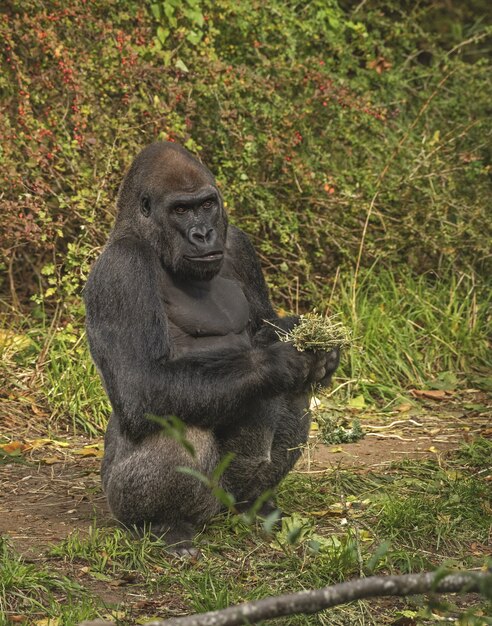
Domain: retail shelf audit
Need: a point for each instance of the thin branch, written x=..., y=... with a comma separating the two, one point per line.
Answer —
x=308, y=602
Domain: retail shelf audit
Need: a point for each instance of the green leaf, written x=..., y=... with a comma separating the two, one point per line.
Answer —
x=194, y=37
x=156, y=11
x=357, y=403
x=195, y=473
x=162, y=34
x=181, y=66
x=271, y=520
x=222, y=466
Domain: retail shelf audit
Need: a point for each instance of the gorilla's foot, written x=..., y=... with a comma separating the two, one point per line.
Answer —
x=270, y=507
x=179, y=539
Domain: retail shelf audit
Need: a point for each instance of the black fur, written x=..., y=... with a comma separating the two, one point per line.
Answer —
x=175, y=306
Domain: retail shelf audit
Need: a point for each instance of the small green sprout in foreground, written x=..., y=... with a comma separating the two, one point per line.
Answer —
x=317, y=332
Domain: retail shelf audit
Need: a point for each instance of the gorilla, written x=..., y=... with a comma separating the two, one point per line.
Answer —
x=177, y=311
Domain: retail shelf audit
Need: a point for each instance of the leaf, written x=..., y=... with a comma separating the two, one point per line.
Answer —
x=162, y=34
x=17, y=343
x=156, y=10
x=357, y=403
x=14, y=448
x=271, y=520
x=180, y=65
x=404, y=407
x=89, y=452
x=446, y=381
x=294, y=528
x=195, y=473
x=51, y=460
x=222, y=466
x=378, y=555
x=432, y=394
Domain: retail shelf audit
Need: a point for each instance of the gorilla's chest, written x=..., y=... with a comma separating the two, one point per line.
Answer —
x=206, y=315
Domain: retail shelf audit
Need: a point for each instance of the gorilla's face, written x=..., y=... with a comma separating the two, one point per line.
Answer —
x=170, y=199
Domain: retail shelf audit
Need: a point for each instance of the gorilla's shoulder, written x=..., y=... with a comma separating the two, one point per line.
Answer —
x=239, y=244
x=123, y=260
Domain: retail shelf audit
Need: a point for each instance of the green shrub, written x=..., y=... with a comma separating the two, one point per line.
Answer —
x=303, y=110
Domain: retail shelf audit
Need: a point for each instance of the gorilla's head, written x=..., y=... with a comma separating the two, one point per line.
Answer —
x=170, y=199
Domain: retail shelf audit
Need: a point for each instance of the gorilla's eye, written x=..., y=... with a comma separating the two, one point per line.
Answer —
x=145, y=206
x=180, y=210
x=208, y=204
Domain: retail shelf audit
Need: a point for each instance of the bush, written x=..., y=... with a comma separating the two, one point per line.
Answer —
x=309, y=114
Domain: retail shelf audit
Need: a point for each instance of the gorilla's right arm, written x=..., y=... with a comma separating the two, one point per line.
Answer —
x=128, y=336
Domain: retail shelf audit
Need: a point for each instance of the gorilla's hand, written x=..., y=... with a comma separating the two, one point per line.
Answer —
x=297, y=371
x=325, y=363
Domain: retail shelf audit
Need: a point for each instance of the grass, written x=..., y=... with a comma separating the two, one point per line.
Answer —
x=406, y=332
x=28, y=592
x=408, y=329
x=412, y=516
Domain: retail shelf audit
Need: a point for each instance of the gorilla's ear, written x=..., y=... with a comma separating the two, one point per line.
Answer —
x=145, y=205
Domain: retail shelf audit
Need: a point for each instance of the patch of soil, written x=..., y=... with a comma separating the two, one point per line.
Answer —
x=427, y=431
x=49, y=492
x=41, y=504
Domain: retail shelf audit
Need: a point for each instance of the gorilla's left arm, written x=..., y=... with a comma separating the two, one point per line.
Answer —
x=248, y=270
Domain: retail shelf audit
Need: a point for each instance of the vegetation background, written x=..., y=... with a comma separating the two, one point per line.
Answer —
x=350, y=139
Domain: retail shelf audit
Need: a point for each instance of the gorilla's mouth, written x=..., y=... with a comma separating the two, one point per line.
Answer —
x=206, y=258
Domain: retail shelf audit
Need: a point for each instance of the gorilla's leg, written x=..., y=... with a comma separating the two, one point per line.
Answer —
x=144, y=488
x=266, y=448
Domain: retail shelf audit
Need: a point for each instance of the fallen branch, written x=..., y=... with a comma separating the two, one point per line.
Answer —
x=308, y=602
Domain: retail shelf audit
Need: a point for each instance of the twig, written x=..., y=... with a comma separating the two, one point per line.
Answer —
x=308, y=602
x=409, y=421
x=380, y=435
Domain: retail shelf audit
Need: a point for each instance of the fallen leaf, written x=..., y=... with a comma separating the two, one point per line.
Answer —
x=403, y=408
x=51, y=460
x=433, y=394
x=8, y=339
x=314, y=404
x=336, y=450
x=89, y=452
x=365, y=535
x=434, y=450
x=14, y=448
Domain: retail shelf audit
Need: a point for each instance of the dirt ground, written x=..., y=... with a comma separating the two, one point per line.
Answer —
x=52, y=487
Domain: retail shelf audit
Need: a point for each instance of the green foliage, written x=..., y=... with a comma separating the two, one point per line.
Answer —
x=318, y=118
x=407, y=517
x=333, y=432
x=410, y=328
x=304, y=110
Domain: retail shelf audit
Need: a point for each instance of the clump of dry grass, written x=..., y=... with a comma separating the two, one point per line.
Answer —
x=317, y=332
